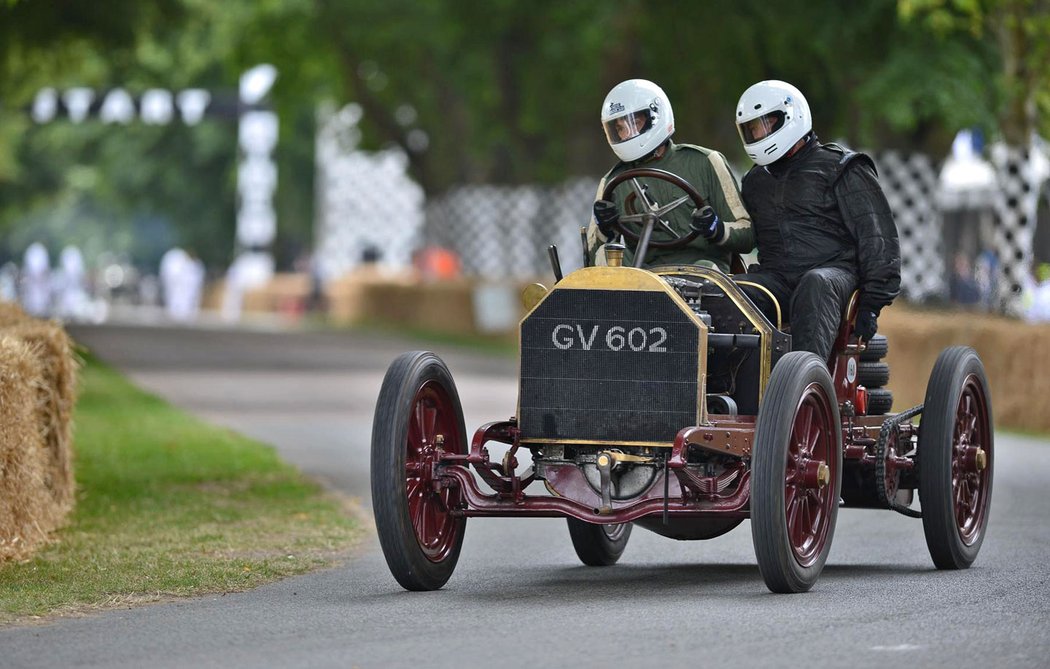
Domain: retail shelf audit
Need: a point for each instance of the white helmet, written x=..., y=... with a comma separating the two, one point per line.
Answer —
x=771, y=117
x=637, y=118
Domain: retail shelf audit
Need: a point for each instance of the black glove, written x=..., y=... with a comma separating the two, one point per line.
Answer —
x=867, y=324
x=706, y=222
x=606, y=214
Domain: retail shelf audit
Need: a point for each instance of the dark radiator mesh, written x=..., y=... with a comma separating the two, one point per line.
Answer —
x=575, y=384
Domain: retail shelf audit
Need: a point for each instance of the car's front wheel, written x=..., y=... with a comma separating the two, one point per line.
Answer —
x=796, y=476
x=418, y=417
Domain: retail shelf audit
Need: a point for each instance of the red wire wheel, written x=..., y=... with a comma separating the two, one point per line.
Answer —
x=796, y=473
x=956, y=457
x=418, y=417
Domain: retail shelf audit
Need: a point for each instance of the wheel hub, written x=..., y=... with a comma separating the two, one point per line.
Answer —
x=975, y=459
x=815, y=474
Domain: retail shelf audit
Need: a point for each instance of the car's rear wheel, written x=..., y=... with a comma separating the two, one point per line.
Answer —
x=796, y=473
x=956, y=458
x=418, y=416
x=598, y=545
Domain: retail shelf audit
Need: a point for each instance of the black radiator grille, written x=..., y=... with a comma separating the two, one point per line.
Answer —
x=576, y=385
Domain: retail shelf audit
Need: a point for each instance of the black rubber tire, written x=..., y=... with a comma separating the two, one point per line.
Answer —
x=873, y=374
x=876, y=349
x=598, y=545
x=957, y=380
x=404, y=554
x=794, y=375
x=880, y=401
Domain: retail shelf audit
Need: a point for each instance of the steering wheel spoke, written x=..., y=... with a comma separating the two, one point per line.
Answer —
x=631, y=225
x=660, y=211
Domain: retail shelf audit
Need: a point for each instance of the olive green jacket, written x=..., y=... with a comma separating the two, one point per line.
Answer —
x=709, y=174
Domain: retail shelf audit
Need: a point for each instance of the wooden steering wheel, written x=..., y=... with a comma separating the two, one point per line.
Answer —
x=631, y=225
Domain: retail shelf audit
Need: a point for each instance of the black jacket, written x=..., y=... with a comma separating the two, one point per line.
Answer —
x=823, y=207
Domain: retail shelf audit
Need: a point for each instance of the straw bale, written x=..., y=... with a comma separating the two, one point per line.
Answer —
x=1014, y=356
x=27, y=508
x=56, y=398
x=11, y=313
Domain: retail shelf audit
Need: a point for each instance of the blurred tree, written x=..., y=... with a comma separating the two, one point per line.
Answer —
x=131, y=189
x=474, y=90
x=509, y=91
x=1021, y=31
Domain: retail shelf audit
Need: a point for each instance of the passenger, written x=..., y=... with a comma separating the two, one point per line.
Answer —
x=821, y=221
x=638, y=123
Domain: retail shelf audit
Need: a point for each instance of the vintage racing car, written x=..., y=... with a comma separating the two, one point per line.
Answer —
x=664, y=398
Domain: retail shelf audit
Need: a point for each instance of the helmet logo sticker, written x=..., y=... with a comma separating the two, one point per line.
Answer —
x=615, y=107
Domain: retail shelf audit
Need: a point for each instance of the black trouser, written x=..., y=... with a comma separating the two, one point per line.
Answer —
x=812, y=303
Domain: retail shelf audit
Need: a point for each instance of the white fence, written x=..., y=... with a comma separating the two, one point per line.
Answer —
x=502, y=232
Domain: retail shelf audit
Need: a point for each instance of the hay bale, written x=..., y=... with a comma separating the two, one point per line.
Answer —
x=1013, y=353
x=56, y=398
x=27, y=508
x=11, y=313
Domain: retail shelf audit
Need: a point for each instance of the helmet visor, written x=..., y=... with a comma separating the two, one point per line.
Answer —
x=628, y=126
x=759, y=128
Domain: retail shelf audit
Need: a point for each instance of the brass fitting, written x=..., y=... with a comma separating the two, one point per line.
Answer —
x=532, y=294
x=823, y=475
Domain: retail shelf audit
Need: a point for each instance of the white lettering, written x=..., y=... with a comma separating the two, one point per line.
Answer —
x=587, y=343
x=657, y=346
x=565, y=336
x=563, y=344
x=631, y=339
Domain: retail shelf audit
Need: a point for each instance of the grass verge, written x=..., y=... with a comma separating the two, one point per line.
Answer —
x=170, y=506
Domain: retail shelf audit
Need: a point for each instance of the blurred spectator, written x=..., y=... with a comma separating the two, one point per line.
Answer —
x=36, y=281
x=192, y=288
x=238, y=279
x=9, y=282
x=306, y=263
x=1037, y=296
x=149, y=290
x=69, y=286
x=182, y=280
x=963, y=287
x=984, y=273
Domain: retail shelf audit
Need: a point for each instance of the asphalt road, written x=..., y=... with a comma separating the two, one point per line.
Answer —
x=519, y=597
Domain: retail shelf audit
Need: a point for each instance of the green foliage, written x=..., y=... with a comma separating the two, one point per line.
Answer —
x=1020, y=30
x=505, y=91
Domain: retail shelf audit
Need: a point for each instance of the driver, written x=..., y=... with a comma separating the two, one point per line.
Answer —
x=638, y=123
